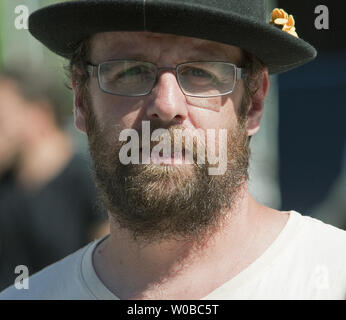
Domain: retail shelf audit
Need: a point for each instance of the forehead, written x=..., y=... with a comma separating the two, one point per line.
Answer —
x=156, y=46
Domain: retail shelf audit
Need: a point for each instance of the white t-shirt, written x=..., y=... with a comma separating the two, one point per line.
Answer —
x=306, y=261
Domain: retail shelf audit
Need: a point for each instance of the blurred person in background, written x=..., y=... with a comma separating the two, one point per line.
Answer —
x=39, y=172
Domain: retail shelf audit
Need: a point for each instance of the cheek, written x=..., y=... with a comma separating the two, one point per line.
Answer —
x=213, y=104
x=212, y=113
x=113, y=110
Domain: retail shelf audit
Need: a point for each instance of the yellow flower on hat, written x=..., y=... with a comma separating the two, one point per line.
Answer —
x=280, y=18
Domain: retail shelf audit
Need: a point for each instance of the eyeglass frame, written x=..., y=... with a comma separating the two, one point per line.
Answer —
x=94, y=71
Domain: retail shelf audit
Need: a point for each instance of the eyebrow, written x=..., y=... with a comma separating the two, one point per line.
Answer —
x=192, y=55
x=129, y=56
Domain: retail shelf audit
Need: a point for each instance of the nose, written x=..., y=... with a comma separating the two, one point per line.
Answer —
x=168, y=102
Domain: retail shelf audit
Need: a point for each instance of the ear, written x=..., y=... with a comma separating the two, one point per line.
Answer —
x=257, y=103
x=79, y=107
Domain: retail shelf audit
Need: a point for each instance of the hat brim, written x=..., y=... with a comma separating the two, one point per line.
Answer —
x=61, y=27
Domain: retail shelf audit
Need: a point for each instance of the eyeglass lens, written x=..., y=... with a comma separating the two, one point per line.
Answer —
x=195, y=78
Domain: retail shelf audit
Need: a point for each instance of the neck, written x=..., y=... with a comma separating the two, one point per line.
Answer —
x=120, y=260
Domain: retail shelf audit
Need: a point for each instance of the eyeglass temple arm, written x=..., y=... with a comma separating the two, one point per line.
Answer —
x=240, y=73
x=92, y=70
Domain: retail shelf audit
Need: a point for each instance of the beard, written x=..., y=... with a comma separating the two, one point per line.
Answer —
x=162, y=202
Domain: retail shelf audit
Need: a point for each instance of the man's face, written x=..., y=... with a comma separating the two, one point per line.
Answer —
x=160, y=201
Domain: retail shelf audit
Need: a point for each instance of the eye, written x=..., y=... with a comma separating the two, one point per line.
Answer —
x=197, y=76
x=134, y=73
x=197, y=73
x=126, y=73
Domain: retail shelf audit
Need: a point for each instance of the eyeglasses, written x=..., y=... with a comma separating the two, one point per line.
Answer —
x=134, y=78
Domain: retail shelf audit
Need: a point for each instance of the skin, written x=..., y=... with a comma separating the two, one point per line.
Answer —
x=175, y=269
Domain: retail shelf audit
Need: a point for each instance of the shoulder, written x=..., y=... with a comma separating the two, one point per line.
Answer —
x=320, y=242
x=321, y=232
x=61, y=280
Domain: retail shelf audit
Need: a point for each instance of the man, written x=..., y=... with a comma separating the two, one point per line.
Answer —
x=180, y=229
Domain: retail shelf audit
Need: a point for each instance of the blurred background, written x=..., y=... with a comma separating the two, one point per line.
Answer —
x=299, y=155
x=48, y=203
x=312, y=130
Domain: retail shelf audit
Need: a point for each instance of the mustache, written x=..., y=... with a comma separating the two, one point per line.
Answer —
x=176, y=139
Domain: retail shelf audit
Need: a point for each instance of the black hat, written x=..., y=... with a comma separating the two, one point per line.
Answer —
x=241, y=23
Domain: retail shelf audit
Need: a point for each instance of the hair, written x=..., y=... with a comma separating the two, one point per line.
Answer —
x=77, y=72
x=37, y=86
x=253, y=68
x=77, y=68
